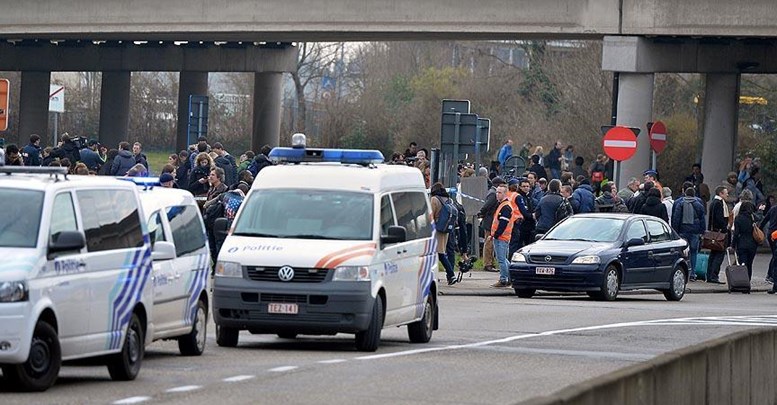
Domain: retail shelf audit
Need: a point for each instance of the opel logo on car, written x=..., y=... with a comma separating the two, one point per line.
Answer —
x=286, y=273
x=548, y=259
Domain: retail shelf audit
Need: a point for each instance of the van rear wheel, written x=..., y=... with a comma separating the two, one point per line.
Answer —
x=41, y=369
x=369, y=340
x=421, y=331
x=125, y=365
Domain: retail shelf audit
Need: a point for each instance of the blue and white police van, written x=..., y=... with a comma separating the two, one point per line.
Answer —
x=329, y=241
x=75, y=279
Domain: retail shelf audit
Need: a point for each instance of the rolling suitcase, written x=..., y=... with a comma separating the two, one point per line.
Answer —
x=702, y=260
x=736, y=275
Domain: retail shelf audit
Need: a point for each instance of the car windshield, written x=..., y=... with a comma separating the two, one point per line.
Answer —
x=20, y=220
x=587, y=229
x=307, y=214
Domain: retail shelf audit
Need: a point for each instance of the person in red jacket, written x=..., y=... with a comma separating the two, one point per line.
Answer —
x=501, y=231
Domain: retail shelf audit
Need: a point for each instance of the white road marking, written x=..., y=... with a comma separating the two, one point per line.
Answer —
x=132, y=400
x=238, y=378
x=282, y=369
x=184, y=388
x=751, y=320
x=333, y=361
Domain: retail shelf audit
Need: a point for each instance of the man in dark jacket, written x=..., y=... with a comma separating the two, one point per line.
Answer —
x=69, y=149
x=553, y=160
x=227, y=163
x=123, y=161
x=486, y=214
x=526, y=206
x=583, y=198
x=31, y=153
x=137, y=152
x=718, y=221
x=89, y=156
x=537, y=168
x=688, y=221
x=609, y=200
x=546, y=210
x=653, y=205
x=771, y=220
x=260, y=161
x=635, y=203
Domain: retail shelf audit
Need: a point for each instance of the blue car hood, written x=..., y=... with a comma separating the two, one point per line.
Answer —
x=566, y=247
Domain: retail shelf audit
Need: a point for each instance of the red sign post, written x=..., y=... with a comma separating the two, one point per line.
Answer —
x=619, y=143
x=657, y=135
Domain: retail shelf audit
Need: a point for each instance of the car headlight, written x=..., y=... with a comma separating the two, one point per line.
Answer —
x=228, y=269
x=351, y=273
x=13, y=291
x=587, y=260
x=518, y=257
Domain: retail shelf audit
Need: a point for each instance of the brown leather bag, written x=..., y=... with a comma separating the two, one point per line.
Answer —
x=714, y=240
x=758, y=234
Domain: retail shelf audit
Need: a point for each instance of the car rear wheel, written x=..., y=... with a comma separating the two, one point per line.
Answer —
x=676, y=289
x=525, y=292
x=193, y=344
x=40, y=370
x=610, y=285
x=421, y=331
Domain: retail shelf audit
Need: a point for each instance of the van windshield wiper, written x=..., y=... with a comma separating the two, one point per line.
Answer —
x=261, y=235
x=307, y=236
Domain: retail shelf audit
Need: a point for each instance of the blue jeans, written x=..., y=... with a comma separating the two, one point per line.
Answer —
x=500, y=249
x=693, y=243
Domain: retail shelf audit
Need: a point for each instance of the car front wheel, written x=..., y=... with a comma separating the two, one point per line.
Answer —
x=610, y=284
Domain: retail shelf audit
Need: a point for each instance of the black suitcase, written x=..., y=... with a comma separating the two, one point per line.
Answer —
x=736, y=276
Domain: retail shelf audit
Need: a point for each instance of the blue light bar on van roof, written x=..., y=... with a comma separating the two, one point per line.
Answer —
x=349, y=156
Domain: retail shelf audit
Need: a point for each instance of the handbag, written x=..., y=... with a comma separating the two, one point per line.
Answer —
x=758, y=234
x=714, y=240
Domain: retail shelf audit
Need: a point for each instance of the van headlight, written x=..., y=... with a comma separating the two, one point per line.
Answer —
x=518, y=257
x=13, y=291
x=587, y=260
x=351, y=273
x=228, y=269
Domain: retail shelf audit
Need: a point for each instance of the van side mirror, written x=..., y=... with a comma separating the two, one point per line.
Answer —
x=635, y=242
x=163, y=251
x=396, y=234
x=538, y=236
x=67, y=241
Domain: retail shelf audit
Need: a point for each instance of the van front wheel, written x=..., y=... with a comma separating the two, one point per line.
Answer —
x=368, y=340
x=125, y=365
x=41, y=369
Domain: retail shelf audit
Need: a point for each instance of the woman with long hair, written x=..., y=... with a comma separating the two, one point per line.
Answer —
x=742, y=238
x=198, y=179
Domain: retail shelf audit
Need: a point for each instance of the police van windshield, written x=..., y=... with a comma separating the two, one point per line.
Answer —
x=20, y=219
x=307, y=214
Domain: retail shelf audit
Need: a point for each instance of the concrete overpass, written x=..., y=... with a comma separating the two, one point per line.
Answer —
x=641, y=37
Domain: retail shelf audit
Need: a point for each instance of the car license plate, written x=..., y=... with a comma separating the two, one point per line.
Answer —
x=546, y=270
x=275, y=308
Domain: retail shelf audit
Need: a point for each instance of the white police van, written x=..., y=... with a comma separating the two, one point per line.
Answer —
x=75, y=275
x=181, y=260
x=342, y=245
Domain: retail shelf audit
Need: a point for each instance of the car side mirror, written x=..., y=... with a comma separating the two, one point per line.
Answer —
x=635, y=242
x=163, y=251
x=396, y=234
x=67, y=241
x=538, y=236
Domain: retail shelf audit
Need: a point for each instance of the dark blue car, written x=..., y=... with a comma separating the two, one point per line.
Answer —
x=602, y=254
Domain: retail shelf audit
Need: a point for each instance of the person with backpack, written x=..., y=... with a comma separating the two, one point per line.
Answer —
x=609, y=200
x=552, y=205
x=260, y=161
x=583, y=199
x=689, y=222
x=458, y=238
x=501, y=231
x=444, y=217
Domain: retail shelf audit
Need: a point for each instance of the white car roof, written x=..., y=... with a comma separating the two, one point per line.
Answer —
x=336, y=176
x=156, y=198
x=44, y=182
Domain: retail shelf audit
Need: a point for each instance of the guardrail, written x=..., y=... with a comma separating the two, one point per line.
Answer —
x=736, y=369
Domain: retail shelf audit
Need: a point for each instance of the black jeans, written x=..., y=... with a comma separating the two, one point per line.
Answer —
x=713, y=267
x=746, y=257
x=773, y=262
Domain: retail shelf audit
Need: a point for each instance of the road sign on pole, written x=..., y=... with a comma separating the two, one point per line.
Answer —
x=5, y=87
x=56, y=98
x=657, y=134
x=198, y=118
x=620, y=143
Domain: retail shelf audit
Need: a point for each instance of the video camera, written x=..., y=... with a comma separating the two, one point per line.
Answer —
x=80, y=141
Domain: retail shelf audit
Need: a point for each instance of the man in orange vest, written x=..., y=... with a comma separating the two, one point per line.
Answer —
x=501, y=231
x=512, y=196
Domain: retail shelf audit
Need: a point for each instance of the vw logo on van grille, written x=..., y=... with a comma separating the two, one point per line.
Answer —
x=286, y=273
x=548, y=259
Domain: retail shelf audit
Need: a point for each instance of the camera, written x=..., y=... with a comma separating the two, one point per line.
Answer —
x=79, y=141
x=465, y=265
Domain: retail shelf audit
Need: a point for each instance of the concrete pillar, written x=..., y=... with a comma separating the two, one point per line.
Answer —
x=34, y=107
x=635, y=109
x=267, y=110
x=190, y=84
x=721, y=107
x=114, y=108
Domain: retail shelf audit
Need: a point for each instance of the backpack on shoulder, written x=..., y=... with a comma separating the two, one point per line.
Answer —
x=563, y=210
x=446, y=221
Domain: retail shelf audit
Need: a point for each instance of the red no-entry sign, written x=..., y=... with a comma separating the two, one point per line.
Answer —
x=657, y=135
x=619, y=143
